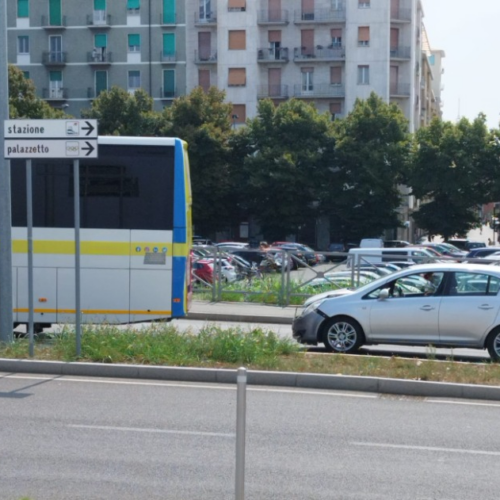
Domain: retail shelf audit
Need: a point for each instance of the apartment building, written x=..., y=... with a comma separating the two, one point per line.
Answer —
x=73, y=50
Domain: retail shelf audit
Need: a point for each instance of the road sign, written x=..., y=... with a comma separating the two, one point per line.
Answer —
x=50, y=148
x=50, y=129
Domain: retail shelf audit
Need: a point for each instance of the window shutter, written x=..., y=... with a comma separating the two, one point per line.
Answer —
x=133, y=4
x=237, y=4
x=237, y=77
x=237, y=40
x=168, y=44
x=100, y=40
x=274, y=36
x=55, y=76
x=168, y=11
x=335, y=108
x=204, y=79
x=364, y=34
x=134, y=40
x=239, y=113
x=306, y=70
x=99, y=4
x=23, y=8
x=335, y=74
x=55, y=13
x=336, y=33
x=169, y=83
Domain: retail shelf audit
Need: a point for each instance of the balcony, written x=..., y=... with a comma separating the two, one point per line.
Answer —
x=168, y=19
x=168, y=57
x=272, y=17
x=54, y=58
x=50, y=24
x=167, y=93
x=55, y=94
x=400, y=52
x=268, y=55
x=400, y=90
x=204, y=18
x=272, y=91
x=321, y=90
x=99, y=57
x=205, y=57
x=319, y=53
x=401, y=15
x=99, y=19
x=319, y=16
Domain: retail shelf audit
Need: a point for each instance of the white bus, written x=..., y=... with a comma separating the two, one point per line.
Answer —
x=136, y=233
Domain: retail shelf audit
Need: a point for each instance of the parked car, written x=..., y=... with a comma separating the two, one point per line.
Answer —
x=396, y=243
x=203, y=270
x=465, y=244
x=462, y=310
x=337, y=247
x=445, y=249
x=302, y=254
x=479, y=252
x=231, y=245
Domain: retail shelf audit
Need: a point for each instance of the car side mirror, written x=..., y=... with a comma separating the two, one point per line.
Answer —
x=384, y=294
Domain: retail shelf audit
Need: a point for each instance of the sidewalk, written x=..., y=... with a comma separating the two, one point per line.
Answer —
x=246, y=312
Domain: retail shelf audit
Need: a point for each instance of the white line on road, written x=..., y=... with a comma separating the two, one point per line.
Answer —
x=427, y=448
x=156, y=431
x=444, y=402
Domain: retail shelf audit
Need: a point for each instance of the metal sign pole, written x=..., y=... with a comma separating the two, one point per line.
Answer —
x=6, y=316
x=241, y=396
x=76, y=191
x=29, y=212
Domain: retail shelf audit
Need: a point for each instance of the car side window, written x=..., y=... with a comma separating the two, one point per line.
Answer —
x=473, y=284
x=412, y=285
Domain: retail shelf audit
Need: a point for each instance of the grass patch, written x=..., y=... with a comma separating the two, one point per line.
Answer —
x=257, y=349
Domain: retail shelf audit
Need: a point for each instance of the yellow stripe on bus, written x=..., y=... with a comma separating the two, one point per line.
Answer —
x=94, y=311
x=99, y=247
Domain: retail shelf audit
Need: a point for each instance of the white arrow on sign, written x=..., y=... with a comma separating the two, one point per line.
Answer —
x=50, y=129
x=55, y=148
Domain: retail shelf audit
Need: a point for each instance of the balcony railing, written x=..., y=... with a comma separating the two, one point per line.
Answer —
x=204, y=18
x=99, y=19
x=400, y=89
x=400, y=52
x=272, y=91
x=272, y=55
x=55, y=94
x=99, y=56
x=401, y=14
x=272, y=17
x=319, y=90
x=167, y=56
x=54, y=58
x=167, y=93
x=319, y=53
x=319, y=16
x=205, y=57
x=48, y=23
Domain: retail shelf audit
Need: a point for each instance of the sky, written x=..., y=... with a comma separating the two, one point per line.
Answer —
x=469, y=33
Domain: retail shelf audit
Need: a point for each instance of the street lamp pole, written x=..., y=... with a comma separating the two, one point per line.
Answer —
x=6, y=318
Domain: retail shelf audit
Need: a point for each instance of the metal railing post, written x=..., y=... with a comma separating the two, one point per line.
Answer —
x=241, y=388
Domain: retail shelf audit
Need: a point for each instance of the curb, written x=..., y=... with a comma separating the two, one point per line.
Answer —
x=239, y=318
x=414, y=388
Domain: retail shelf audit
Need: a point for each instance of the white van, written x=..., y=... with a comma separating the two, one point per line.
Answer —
x=371, y=243
x=414, y=255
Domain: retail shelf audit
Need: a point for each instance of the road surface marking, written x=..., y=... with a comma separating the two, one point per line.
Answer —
x=427, y=448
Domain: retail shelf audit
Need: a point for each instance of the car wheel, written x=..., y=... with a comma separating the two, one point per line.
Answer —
x=493, y=344
x=343, y=335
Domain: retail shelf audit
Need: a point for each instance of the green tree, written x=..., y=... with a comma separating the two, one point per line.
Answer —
x=202, y=119
x=287, y=150
x=121, y=113
x=454, y=169
x=362, y=186
x=23, y=101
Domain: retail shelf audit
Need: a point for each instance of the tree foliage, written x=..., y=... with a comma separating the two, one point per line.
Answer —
x=23, y=101
x=287, y=150
x=203, y=120
x=121, y=113
x=361, y=186
x=454, y=169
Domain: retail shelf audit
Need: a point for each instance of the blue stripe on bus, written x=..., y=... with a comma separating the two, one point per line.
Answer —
x=179, y=193
x=179, y=286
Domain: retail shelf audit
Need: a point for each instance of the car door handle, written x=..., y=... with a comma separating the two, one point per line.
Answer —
x=485, y=307
x=427, y=308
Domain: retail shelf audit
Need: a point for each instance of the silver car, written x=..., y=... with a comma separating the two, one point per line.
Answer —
x=446, y=305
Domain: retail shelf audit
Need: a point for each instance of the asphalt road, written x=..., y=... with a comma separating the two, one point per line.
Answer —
x=64, y=438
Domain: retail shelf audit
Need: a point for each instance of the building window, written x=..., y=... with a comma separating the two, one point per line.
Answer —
x=363, y=36
x=237, y=77
x=363, y=4
x=237, y=40
x=134, y=43
x=23, y=44
x=23, y=8
x=363, y=75
x=133, y=6
x=236, y=5
x=55, y=85
x=26, y=75
x=335, y=109
x=134, y=80
x=169, y=83
x=307, y=80
x=204, y=79
x=336, y=35
x=169, y=12
x=101, y=82
x=55, y=13
x=336, y=75
x=239, y=114
x=99, y=50
x=168, y=47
